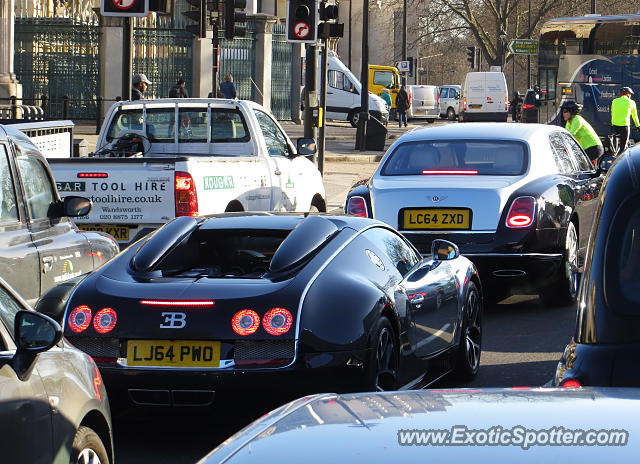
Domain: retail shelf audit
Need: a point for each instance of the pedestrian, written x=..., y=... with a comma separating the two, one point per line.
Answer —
x=623, y=109
x=227, y=88
x=140, y=83
x=582, y=130
x=178, y=90
x=402, y=105
x=386, y=97
x=515, y=105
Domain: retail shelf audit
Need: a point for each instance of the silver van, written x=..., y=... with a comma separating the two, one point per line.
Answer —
x=450, y=101
x=424, y=102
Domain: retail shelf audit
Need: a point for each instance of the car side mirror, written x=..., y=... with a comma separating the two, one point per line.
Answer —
x=306, y=146
x=34, y=333
x=605, y=162
x=75, y=206
x=443, y=250
x=457, y=96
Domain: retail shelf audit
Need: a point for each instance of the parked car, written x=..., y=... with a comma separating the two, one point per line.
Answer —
x=449, y=101
x=529, y=110
x=39, y=245
x=53, y=404
x=605, y=347
x=228, y=303
x=518, y=199
x=485, y=97
x=424, y=102
x=524, y=425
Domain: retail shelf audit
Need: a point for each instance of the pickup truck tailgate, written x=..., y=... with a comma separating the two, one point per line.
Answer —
x=125, y=192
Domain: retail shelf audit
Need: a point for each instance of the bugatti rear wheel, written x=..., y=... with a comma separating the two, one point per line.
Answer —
x=382, y=368
x=470, y=347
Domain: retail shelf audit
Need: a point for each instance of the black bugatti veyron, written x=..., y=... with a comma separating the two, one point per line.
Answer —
x=208, y=307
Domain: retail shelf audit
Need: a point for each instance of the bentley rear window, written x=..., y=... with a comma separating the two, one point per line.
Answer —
x=472, y=157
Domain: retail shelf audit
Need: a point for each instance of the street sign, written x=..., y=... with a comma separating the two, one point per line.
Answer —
x=301, y=30
x=403, y=66
x=523, y=47
x=124, y=8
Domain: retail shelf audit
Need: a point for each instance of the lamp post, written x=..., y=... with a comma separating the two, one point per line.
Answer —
x=427, y=67
x=503, y=40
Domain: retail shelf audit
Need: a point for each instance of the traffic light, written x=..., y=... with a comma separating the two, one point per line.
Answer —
x=471, y=56
x=231, y=17
x=327, y=27
x=198, y=14
x=302, y=21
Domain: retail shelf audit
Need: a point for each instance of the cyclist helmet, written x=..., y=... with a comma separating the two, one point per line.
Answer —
x=573, y=107
x=626, y=90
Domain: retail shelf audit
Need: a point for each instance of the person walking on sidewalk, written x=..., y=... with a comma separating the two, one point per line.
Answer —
x=623, y=109
x=227, y=88
x=402, y=105
x=178, y=90
x=140, y=83
x=584, y=134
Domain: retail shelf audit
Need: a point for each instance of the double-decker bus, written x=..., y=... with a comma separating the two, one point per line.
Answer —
x=587, y=59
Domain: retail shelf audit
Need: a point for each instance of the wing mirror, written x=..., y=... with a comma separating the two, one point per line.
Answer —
x=34, y=333
x=443, y=250
x=605, y=162
x=457, y=97
x=306, y=146
x=75, y=206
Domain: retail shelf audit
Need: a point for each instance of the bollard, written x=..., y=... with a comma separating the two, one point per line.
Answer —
x=43, y=103
x=14, y=107
x=98, y=114
x=65, y=107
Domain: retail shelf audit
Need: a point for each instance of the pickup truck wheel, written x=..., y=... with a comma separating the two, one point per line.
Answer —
x=451, y=115
x=354, y=117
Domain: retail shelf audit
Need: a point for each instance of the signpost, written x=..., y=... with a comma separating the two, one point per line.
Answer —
x=523, y=47
x=124, y=8
x=403, y=66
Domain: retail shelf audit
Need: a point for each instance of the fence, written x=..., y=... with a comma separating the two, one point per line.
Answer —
x=57, y=57
x=281, y=73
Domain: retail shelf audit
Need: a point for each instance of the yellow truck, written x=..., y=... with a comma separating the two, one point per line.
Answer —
x=385, y=76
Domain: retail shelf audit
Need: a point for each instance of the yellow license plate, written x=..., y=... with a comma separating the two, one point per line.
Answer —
x=475, y=107
x=120, y=233
x=173, y=353
x=437, y=218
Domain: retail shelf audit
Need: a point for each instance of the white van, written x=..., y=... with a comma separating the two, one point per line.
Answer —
x=450, y=101
x=424, y=102
x=485, y=97
x=343, y=93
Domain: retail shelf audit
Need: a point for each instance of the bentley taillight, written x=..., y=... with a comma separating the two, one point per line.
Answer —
x=186, y=197
x=245, y=322
x=526, y=106
x=80, y=318
x=105, y=320
x=356, y=206
x=522, y=212
x=277, y=321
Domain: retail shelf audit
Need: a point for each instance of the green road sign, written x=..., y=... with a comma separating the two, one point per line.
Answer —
x=523, y=47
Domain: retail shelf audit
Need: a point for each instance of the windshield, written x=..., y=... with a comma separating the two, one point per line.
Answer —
x=482, y=157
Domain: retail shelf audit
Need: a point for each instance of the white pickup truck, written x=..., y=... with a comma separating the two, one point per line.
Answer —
x=158, y=159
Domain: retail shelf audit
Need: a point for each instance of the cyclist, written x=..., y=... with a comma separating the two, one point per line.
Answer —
x=623, y=109
x=582, y=130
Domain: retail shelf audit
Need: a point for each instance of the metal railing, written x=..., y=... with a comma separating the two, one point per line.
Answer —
x=14, y=109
